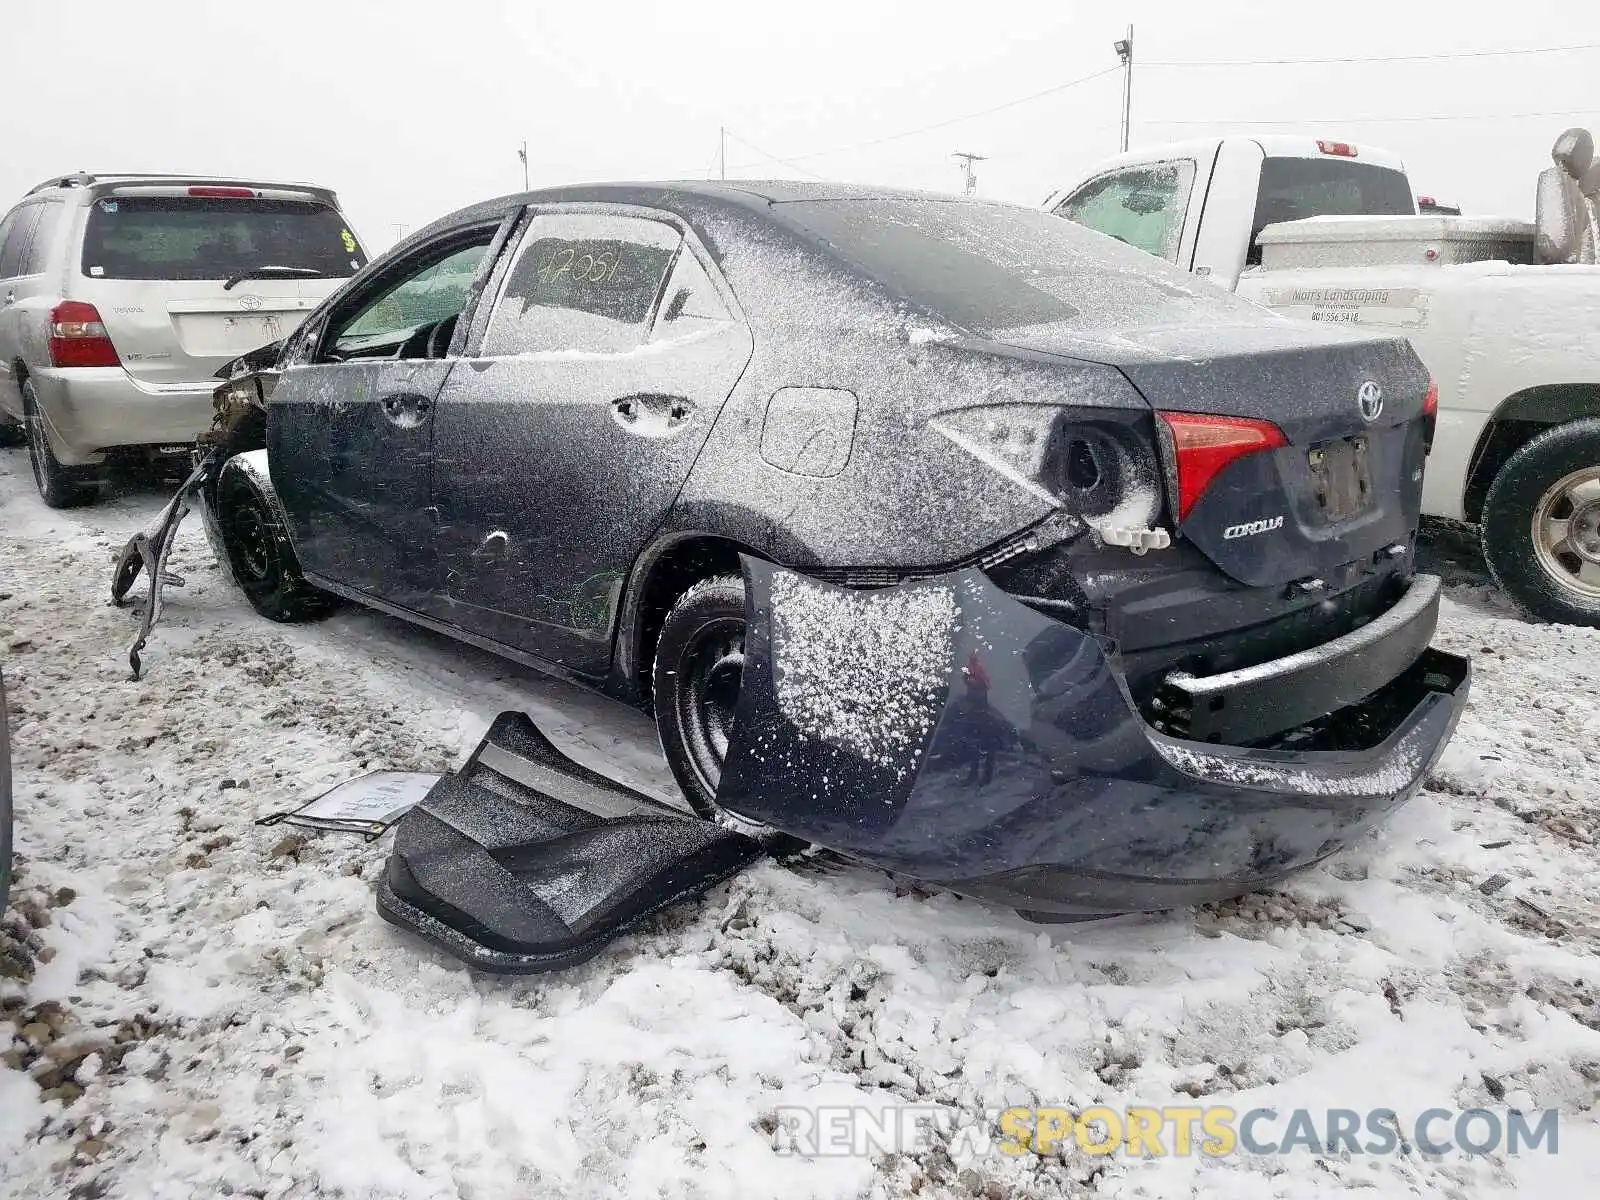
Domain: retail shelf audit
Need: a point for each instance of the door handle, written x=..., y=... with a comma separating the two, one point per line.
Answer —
x=651, y=415
x=406, y=410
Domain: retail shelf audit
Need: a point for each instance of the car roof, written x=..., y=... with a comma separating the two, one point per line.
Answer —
x=681, y=197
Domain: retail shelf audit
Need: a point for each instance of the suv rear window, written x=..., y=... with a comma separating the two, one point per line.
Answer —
x=1295, y=188
x=179, y=237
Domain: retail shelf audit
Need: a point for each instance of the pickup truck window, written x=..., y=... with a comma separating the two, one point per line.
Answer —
x=1295, y=188
x=1143, y=206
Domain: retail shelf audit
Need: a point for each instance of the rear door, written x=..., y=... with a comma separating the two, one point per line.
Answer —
x=350, y=433
x=564, y=438
x=16, y=237
x=27, y=297
x=159, y=263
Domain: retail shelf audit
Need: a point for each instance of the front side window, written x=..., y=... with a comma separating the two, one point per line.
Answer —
x=584, y=282
x=434, y=293
x=197, y=237
x=1143, y=206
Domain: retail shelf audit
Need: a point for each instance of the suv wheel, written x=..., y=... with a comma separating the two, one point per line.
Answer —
x=59, y=486
x=695, y=680
x=1541, y=524
x=260, y=556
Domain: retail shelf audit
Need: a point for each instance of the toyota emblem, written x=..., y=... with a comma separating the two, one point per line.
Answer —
x=250, y=303
x=1369, y=397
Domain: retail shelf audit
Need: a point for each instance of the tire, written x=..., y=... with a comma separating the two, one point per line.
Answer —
x=695, y=684
x=59, y=486
x=260, y=555
x=1541, y=525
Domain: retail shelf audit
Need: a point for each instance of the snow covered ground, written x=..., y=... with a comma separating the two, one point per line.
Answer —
x=192, y=1006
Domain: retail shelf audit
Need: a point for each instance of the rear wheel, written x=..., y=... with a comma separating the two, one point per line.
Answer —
x=695, y=680
x=1541, y=524
x=59, y=486
x=260, y=555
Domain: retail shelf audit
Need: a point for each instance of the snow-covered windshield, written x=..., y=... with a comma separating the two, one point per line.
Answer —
x=991, y=267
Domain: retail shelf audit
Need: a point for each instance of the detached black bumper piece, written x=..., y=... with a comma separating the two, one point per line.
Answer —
x=525, y=861
x=943, y=730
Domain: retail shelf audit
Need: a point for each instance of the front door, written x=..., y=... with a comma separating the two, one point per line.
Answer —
x=563, y=438
x=350, y=433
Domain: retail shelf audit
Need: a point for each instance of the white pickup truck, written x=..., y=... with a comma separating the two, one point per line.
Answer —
x=1329, y=231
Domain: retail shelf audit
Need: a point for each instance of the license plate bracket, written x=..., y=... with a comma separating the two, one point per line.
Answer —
x=1342, y=475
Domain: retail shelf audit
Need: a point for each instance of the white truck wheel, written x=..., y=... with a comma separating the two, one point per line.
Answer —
x=1541, y=524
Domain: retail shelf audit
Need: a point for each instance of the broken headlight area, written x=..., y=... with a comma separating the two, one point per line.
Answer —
x=239, y=423
x=1100, y=465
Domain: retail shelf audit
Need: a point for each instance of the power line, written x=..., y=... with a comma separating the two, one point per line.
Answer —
x=794, y=160
x=752, y=146
x=1581, y=112
x=1378, y=58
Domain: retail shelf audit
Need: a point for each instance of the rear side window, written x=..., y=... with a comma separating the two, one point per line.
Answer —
x=37, y=255
x=584, y=282
x=1295, y=188
x=1143, y=206
x=18, y=231
x=191, y=238
x=690, y=302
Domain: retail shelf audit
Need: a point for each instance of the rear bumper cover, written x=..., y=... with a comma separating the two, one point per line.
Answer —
x=943, y=730
x=93, y=409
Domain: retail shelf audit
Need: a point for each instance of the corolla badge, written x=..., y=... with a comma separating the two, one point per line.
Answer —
x=1369, y=398
x=1251, y=528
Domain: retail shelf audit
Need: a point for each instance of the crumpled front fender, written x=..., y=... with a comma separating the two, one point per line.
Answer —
x=943, y=730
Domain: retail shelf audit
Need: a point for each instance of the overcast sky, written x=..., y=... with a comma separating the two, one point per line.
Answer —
x=410, y=110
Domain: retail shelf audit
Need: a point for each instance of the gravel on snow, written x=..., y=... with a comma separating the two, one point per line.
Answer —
x=193, y=1006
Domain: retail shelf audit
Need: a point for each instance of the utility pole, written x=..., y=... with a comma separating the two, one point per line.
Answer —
x=722, y=151
x=522, y=153
x=966, y=166
x=1124, y=51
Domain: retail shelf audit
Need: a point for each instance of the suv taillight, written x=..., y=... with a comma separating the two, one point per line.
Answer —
x=78, y=337
x=1430, y=415
x=1205, y=444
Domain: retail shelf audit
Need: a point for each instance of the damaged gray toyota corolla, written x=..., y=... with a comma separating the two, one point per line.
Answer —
x=947, y=535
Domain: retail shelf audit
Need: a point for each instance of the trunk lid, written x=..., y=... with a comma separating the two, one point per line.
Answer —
x=1341, y=493
x=170, y=333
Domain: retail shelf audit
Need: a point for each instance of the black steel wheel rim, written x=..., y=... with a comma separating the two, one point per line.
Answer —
x=252, y=553
x=711, y=670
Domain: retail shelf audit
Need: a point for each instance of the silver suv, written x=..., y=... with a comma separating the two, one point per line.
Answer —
x=121, y=295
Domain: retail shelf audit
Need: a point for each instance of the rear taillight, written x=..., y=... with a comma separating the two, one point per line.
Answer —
x=1430, y=415
x=78, y=338
x=1205, y=444
x=214, y=192
x=1341, y=149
